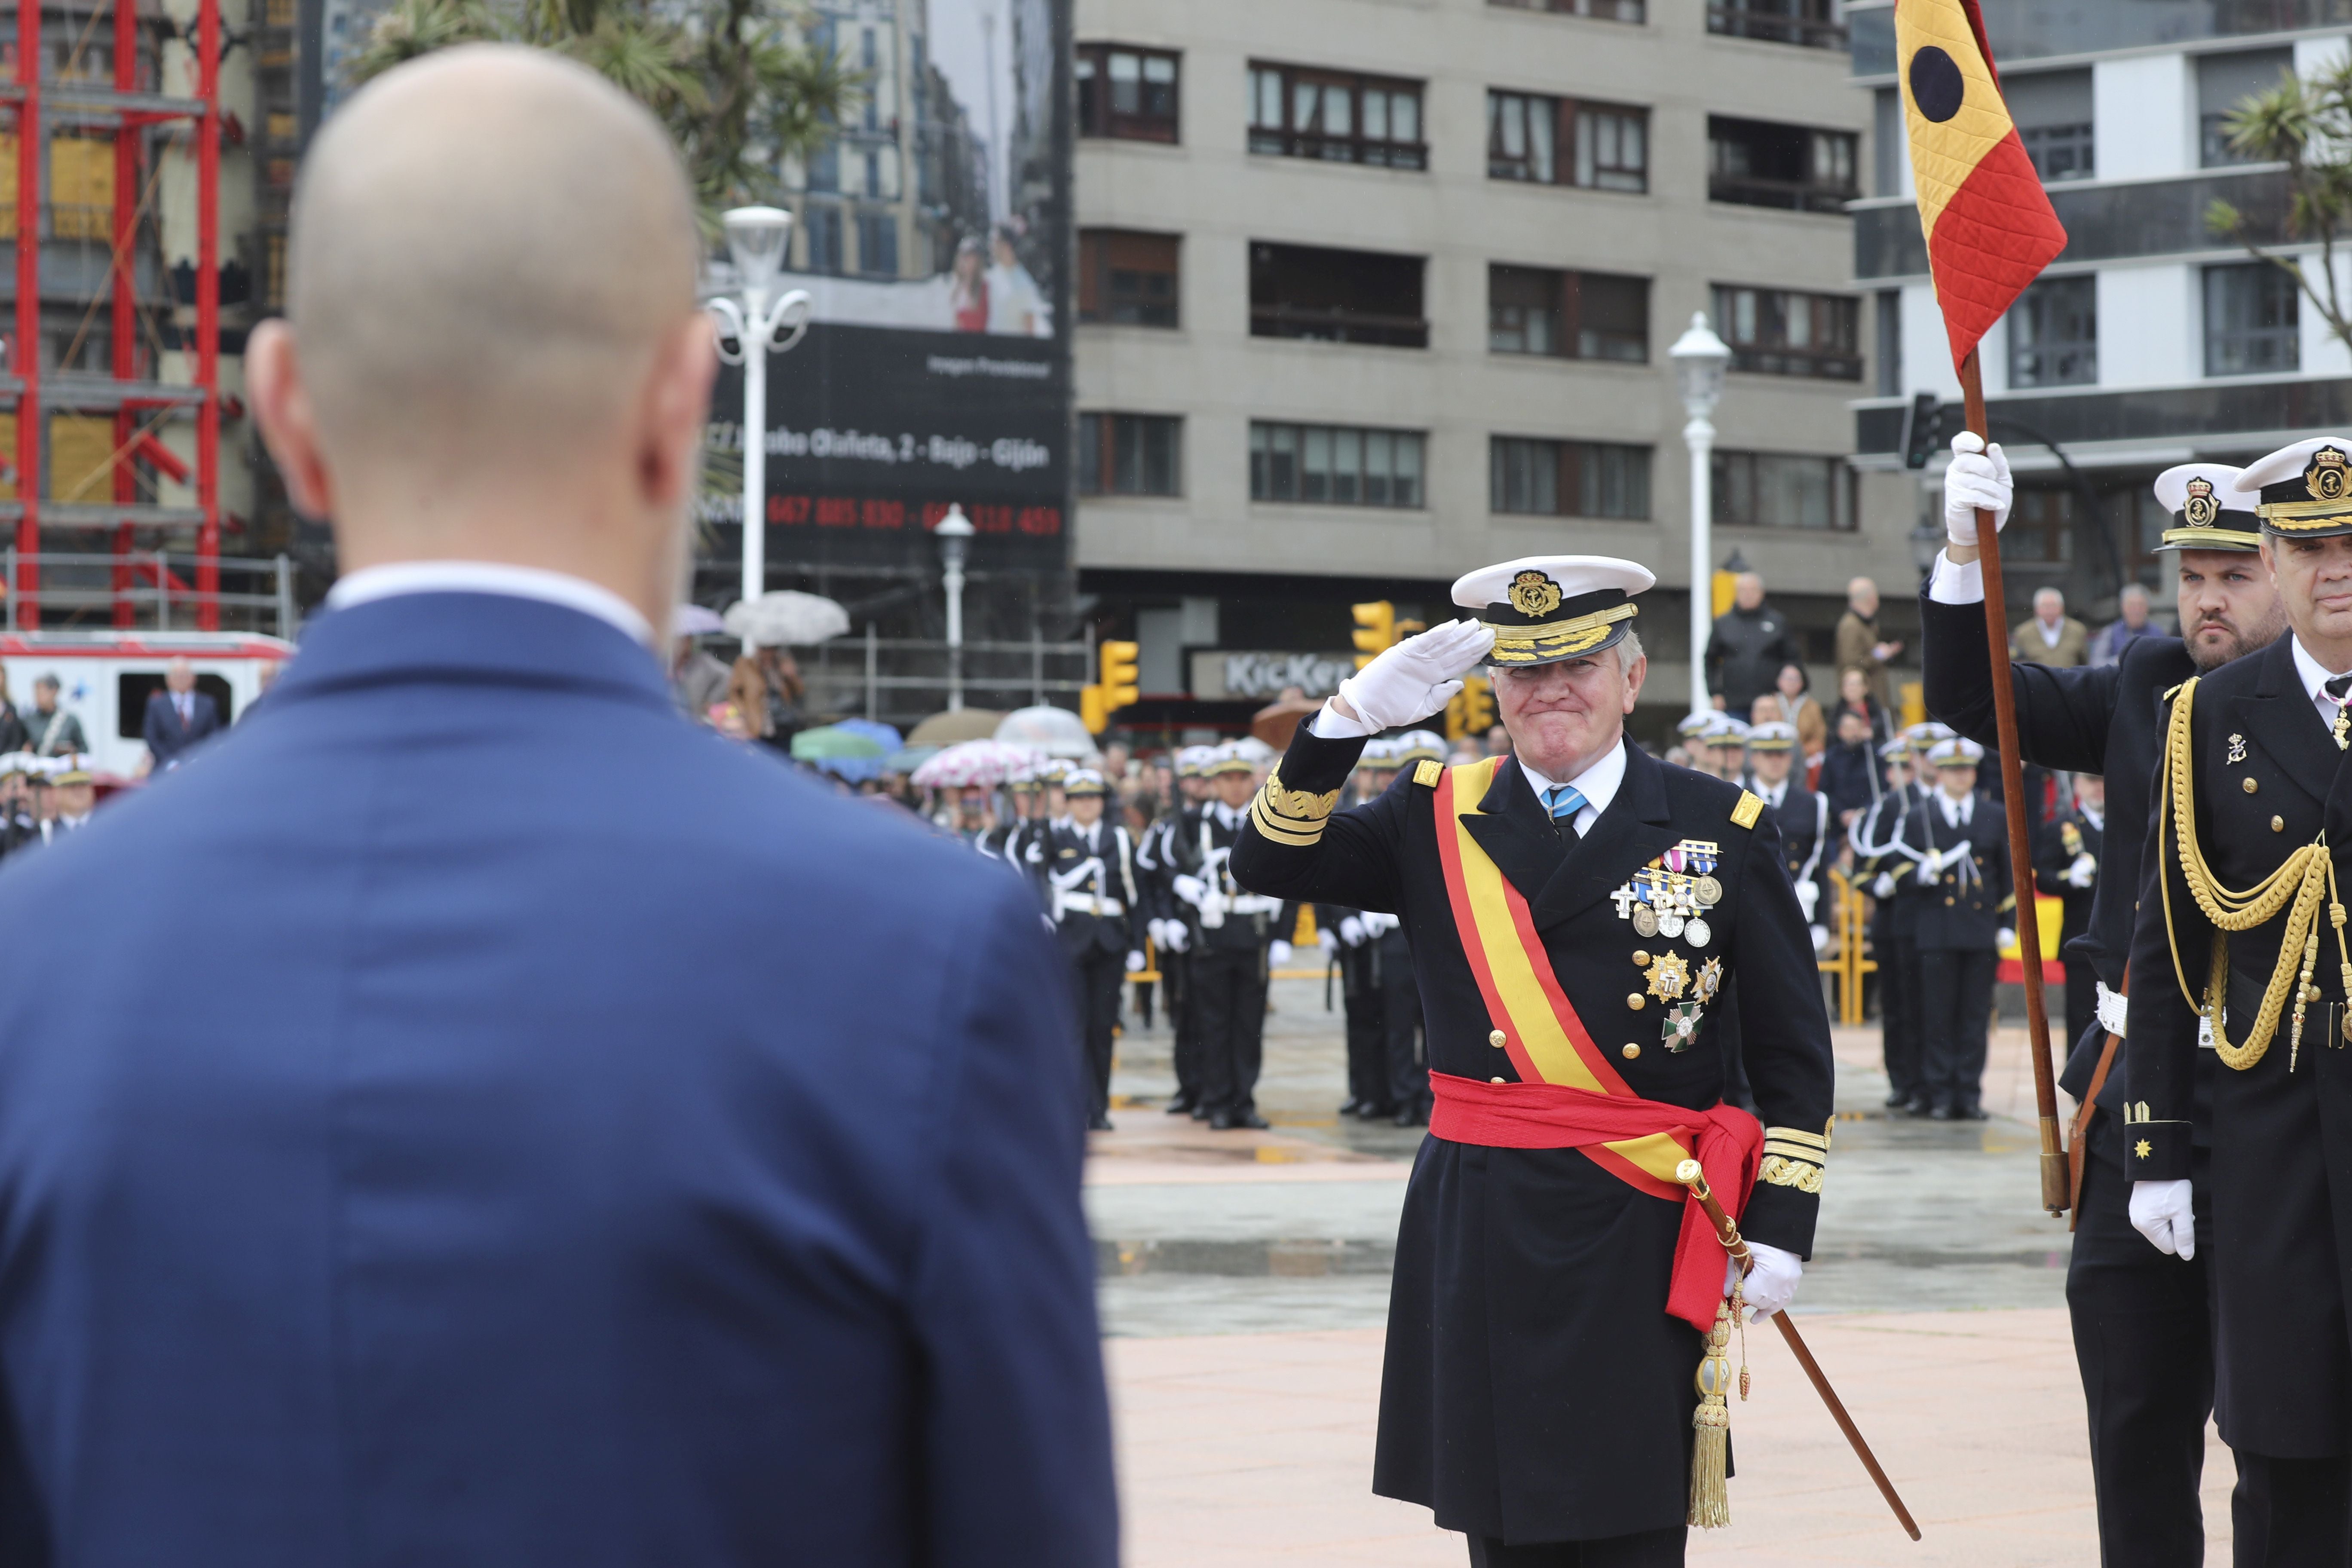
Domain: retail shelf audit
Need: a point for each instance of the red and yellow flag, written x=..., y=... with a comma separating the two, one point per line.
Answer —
x=1989, y=225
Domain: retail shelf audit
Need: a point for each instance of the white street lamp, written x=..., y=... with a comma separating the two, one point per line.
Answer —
x=755, y=238
x=954, y=533
x=1700, y=358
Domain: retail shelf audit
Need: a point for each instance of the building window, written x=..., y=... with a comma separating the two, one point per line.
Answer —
x=1760, y=163
x=1890, y=144
x=2054, y=334
x=1569, y=315
x=1569, y=478
x=2252, y=319
x=1125, y=93
x=1337, y=296
x=877, y=244
x=2051, y=110
x=1810, y=23
x=1606, y=10
x=1889, y=345
x=1566, y=142
x=1336, y=465
x=1130, y=455
x=1127, y=279
x=1778, y=490
x=823, y=225
x=2223, y=83
x=1779, y=331
x=1296, y=112
x=2041, y=527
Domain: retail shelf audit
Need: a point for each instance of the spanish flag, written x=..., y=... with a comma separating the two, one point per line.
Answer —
x=1990, y=228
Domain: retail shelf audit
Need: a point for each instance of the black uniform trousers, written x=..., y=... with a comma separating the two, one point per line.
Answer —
x=1898, y=1008
x=2292, y=1513
x=1361, y=995
x=1229, y=996
x=1097, y=975
x=1407, y=1054
x=2144, y=1342
x=1184, y=1054
x=1955, y=1016
x=1649, y=1549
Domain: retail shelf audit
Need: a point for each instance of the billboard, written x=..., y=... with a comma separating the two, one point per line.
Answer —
x=933, y=237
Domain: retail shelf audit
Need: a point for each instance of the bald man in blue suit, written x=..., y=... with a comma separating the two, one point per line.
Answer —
x=469, y=1115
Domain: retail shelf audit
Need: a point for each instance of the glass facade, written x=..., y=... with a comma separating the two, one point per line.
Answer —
x=2038, y=29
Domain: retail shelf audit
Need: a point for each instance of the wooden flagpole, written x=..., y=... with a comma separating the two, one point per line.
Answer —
x=2055, y=1174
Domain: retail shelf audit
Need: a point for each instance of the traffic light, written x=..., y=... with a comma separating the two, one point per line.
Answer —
x=1470, y=712
x=1116, y=691
x=1376, y=629
x=1923, y=430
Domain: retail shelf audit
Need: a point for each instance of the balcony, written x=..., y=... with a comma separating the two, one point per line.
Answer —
x=1775, y=27
x=1791, y=195
x=1338, y=324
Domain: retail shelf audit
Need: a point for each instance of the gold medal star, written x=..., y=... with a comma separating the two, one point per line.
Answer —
x=2143, y=1147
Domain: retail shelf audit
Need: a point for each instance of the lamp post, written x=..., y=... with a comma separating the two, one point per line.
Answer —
x=755, y=239
x=1699, y=360
x=954, y=533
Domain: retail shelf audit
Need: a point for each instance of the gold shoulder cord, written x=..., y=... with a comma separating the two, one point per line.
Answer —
x=2300, y=880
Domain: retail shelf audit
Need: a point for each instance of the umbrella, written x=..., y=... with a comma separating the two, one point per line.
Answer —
x=961, y=724
x=906, y=759
x=1056, y=732
x=695, y=621
x=986, y=764
x=1276, y=722
x=888, y=738
x=785, y=618
x=840, y=750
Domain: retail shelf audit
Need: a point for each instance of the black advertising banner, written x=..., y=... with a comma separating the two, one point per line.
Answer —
x=933, y=240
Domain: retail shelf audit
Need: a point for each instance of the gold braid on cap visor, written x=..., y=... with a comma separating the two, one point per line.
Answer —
x=1558, y=639
x=2298, y=516
x=2208, y=539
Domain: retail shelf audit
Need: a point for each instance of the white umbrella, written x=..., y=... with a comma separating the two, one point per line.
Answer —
x=1056, y=732
x=695, y=621
x=785, y=618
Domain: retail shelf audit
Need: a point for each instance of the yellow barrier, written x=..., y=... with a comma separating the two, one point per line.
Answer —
x=1849, y=964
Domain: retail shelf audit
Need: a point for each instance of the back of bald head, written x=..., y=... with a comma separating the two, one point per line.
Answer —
x=489, y=248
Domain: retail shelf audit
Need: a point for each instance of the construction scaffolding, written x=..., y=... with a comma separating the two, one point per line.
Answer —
x=112, y=388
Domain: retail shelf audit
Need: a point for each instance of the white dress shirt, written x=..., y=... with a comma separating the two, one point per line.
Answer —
x=1598, y=784
x=1772, y=795
x=2050, y=634
x=2315, y=677
x=399, y=577
x=1956, y=584
x=1955, y=812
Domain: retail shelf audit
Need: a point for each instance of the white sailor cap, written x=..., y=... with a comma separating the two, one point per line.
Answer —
x=1226, y=759
x=1924, y=735
x=1545, y=608
x=1420, y=745
x=1773, y=736
x=2209, y=511
x=1959, y=752
x=2304, y=490
x=1697, y=723
x=1897, y=750
x=1727, y=730
x=1379, y=752
x=1192, y=760
x=1084, y=781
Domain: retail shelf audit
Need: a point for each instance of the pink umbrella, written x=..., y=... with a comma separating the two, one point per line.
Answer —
x=986, y=764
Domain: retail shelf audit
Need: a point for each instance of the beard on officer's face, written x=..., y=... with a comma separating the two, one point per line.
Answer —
x=2229, y=607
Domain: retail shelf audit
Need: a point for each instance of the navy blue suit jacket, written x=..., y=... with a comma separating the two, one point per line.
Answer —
x=166, y=736
x=470, y=1116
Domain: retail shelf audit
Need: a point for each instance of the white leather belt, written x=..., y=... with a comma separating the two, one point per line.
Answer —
x=1087, y=904
x=2113, y=1009
x=1254, y=904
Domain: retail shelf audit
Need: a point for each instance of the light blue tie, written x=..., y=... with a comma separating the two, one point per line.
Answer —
x=1564, y=802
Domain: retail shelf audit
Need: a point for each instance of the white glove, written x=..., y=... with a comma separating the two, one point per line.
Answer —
x=1978, y=476
x=1821, y=941
x=1158, y=932
x=1409, y=681
x=1191, y=890
x=1809, y=893
x=2161, y=1212
x=1923, y=873
x=1771, y=1283
x=1352, y=932
x=1135, y=962
x=1277, y=956
x=1179, y=936
x=1327, y=940
x=2083, y=872
x=1884, y=887
x=2004, y=937
x=1379, y=925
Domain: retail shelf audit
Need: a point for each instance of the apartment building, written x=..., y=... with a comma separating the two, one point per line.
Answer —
x=1373, y=291
x=2150, y=342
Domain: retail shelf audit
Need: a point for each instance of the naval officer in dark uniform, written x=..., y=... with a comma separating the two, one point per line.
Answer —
x=2253, y=796
x=2143, y=1334
x=1576, y=912
x=1088, y=865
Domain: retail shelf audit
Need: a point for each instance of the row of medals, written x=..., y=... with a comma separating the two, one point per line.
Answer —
x=1672, y=905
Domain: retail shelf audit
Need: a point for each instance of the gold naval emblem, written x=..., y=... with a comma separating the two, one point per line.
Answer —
x=2200, y=509
x=2326, y=478
x=1533, y=593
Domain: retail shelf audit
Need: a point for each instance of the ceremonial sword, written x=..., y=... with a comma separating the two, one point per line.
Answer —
x=1726, y=1230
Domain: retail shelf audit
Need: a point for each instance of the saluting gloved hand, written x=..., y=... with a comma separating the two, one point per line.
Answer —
x=1771, y=1283
x=1351, y=931
x=2004, y=937
x=1409, y=681
x=1809, y=893
x=1277, y=956
x=1327, y=940
x=1978, y=476
x=1191, y=890
x=1884, y=887
x=1135, y=961
x=2161, y=1211
x=1180, y=936
x=2083, y=872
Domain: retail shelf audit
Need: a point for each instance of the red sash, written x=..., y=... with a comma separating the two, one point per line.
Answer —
x=1727, y=1141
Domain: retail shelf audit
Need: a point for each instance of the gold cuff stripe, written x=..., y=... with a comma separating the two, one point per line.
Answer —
x=1558, y=639
x=1294, y=804
x=1750, y=808
x=1779, y=1173
x=1295, y=834
x=1791, y=1135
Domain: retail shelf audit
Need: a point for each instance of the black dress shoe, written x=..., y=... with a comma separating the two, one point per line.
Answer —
x=1180, y=1106
x=1222, y=1121
x=1940, y=1113
x=1200, y=1113
x=1252, y=1120
x=1410, y=1116
x=1971, y=1114
x=1898, y=1101
x=1351, y=1108
x=1099, y=1122
x=1368, y=1112
x=1917, y=1108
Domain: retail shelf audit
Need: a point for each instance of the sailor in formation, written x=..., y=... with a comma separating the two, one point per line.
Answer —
x=1089, y=871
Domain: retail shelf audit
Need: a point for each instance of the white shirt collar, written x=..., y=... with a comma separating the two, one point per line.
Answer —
x=1227, y=816
x=1598, y=784
x=2050, y=634
x=399, y=577
x=2315, y=677
x=1955, y=812
x=2097, y=819
x=1773, y=794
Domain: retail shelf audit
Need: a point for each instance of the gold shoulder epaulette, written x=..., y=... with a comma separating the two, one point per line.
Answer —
x=2178, y=690
x=1426, y=773
x=1750, y=808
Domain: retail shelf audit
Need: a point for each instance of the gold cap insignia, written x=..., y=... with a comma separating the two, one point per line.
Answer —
x=2200, y=509
x=2326, y=477
x=1533, y=593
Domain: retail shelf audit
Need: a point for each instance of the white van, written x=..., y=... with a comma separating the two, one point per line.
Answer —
x=104, y=678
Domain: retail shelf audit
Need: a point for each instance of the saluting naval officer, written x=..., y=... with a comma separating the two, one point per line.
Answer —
x=1575, y=911
x=2142, y=1326
x=1088, y=865
x=2241, y=939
